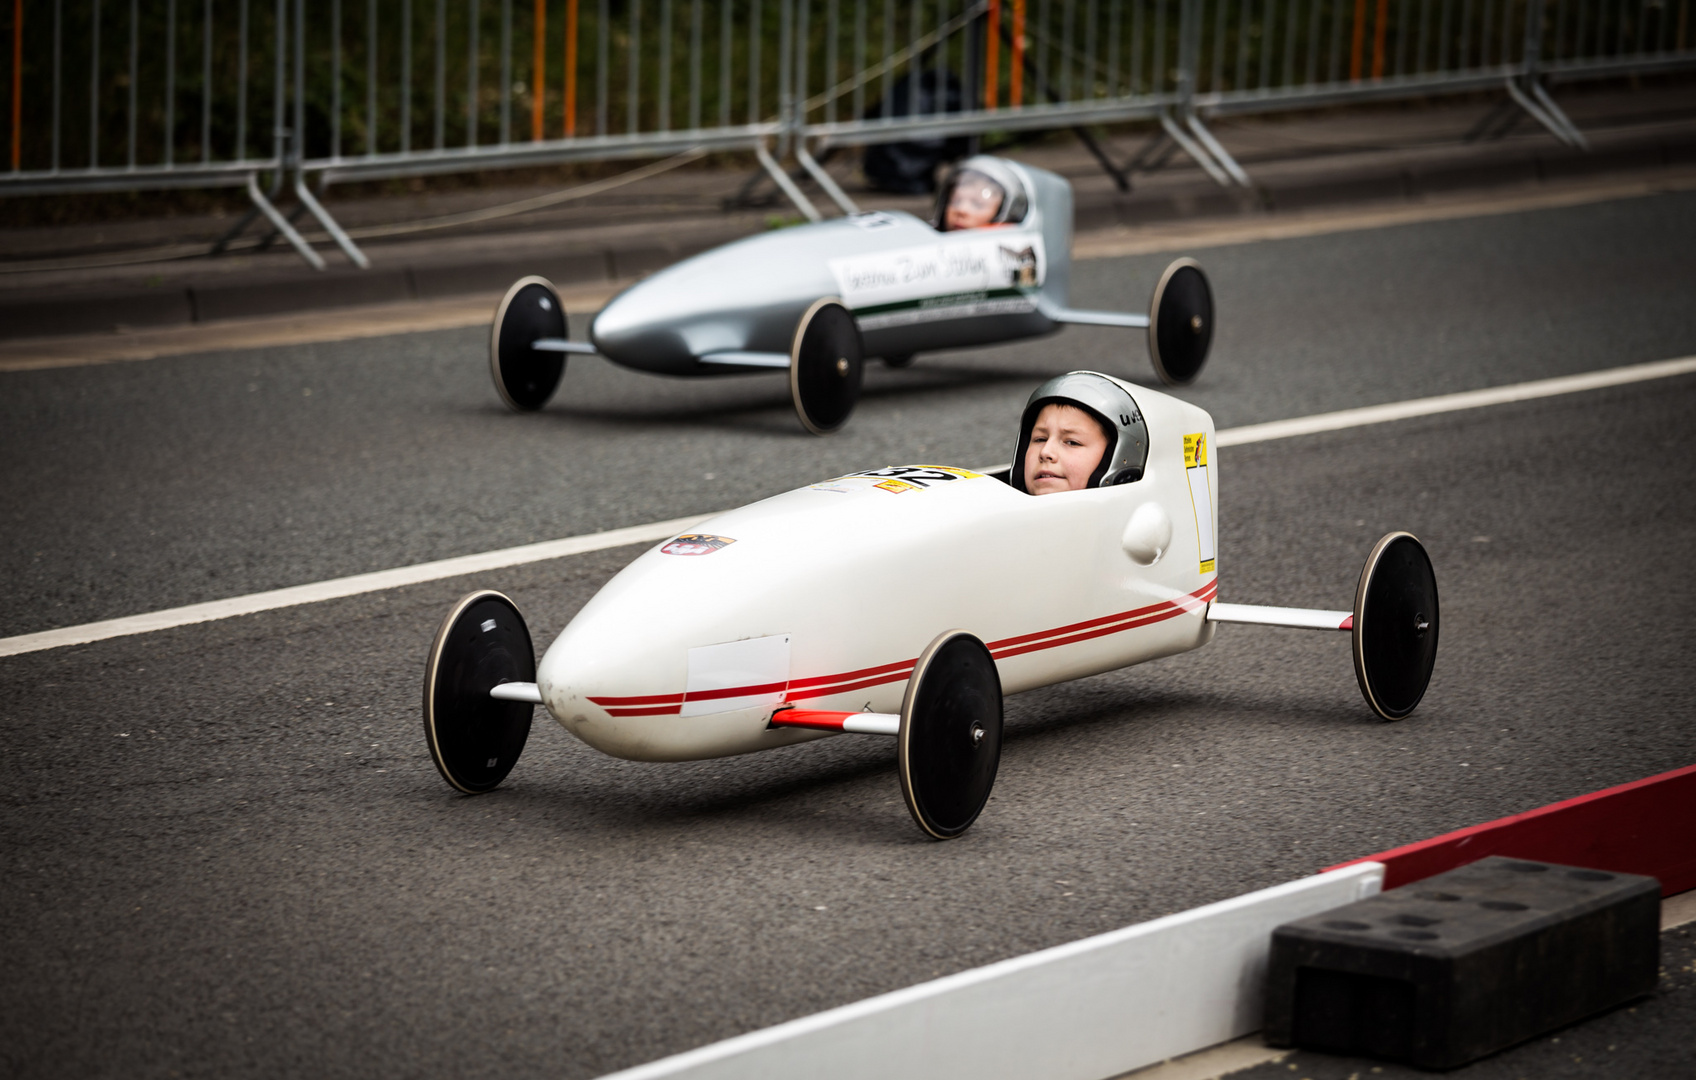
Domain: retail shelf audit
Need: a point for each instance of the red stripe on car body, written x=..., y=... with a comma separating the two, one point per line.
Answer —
x=818, y=686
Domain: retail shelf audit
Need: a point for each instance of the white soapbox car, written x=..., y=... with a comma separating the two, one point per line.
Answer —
x=815, y=300
x=901, y=602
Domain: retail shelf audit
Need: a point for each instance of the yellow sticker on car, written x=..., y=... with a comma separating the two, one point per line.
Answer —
x=1201, y=498
x=1195, y=450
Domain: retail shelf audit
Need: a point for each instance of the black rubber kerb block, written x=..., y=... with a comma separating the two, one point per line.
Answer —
x=1446, y=970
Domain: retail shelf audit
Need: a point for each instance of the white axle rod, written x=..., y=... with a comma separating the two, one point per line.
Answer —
x=555, y=344
x=517, y=691
x=1298, y=618
x=1098, y=318
x=748, y=359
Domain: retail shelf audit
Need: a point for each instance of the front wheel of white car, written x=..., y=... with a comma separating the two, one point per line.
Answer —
x=950, y=735
x=475, y=739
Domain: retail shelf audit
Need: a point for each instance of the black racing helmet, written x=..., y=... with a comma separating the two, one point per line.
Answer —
x=1104, y=398
x=990, y=171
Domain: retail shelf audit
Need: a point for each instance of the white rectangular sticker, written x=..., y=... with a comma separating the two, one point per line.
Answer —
x=737, y=675
x=1201, y=498
x=986, y=263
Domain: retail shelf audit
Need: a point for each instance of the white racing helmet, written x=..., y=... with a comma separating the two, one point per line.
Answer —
x=1015, y=201
x=1107, y=400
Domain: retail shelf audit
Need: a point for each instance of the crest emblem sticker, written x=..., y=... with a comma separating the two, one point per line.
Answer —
x=696, y=544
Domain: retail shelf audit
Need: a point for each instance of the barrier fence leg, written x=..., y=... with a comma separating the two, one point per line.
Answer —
x=1547, y=113
x=343, y=241
x=1204, y=148
x=786, y=185
x=1220, y=154
x=1121, y=177
x=1559, y=117
x=1193, y=149
x=823, y=179
x=281, y=223
x=1528, y=89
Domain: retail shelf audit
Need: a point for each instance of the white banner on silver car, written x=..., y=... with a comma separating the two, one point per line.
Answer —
x=982, y=261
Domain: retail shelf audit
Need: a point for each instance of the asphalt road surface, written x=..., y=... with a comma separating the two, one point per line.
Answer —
x=226, y=851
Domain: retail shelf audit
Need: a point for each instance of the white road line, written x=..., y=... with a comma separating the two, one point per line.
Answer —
x=1469, y=399
x=660, y=530
x=340, y=587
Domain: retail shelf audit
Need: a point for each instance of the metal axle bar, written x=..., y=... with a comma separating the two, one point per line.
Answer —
x=555, y=344
x=518, y=691
x=1296, y=618
x=748, y=359
x=1097, y=318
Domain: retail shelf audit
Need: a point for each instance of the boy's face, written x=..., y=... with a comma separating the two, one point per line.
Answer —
x=974, y=202
x=1066, y=446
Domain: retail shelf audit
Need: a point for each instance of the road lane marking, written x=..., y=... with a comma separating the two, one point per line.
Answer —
x=1446, y=403
x=337, y=588
x=377, y=320
x=377, y=581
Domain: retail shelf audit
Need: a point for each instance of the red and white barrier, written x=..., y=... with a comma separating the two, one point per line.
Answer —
x=1645, y=827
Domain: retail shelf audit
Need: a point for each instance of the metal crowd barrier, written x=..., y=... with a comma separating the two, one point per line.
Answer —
x=223, y=93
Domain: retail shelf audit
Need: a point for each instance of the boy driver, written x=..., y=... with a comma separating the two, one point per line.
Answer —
x=1079, y=430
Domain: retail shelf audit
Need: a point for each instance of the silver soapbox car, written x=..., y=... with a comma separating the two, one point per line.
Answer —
x=816, y=300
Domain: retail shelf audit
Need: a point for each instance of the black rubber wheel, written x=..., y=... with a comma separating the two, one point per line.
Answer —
x=950, y=734
x=1180, y=323
x=476, y=739
x=524, y=377
x=901, y=361
x=1395, y=625
x=825, y=366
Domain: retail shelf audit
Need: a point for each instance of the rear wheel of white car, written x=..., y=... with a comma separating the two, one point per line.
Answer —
x=900, y=360
x=476, y=739
x=1180, y=323
x=525, y=377
x=825, y=366
x=1395, y=625
x=950, y=737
